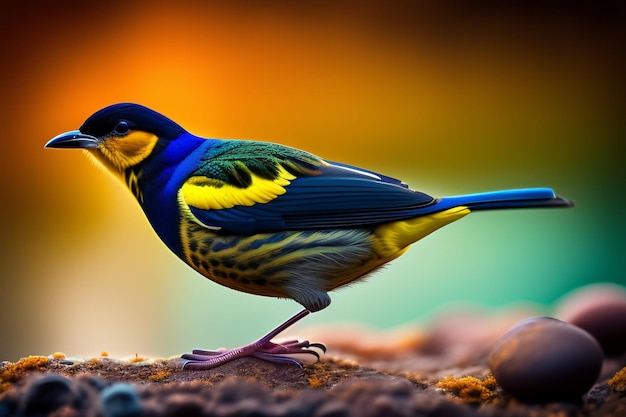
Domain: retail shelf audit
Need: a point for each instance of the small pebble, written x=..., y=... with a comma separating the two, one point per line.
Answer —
x=543, y=359
x=120, y=400
x=5, y=409
x=184, y=405
x=47, y=394
x=600, y=309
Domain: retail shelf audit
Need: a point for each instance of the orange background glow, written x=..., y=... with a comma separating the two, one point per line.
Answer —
x=451, y=97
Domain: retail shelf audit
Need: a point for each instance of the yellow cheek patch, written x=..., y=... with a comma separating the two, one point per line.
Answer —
x=210, y=194
x=129, y=150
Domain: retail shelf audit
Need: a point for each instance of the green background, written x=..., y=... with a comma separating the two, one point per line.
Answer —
x=451, y=97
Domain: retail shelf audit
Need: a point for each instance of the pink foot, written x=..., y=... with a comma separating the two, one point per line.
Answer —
x=293, y=351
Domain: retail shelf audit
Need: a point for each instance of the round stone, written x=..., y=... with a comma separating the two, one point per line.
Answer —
x=120, y=400
x=543, y=359
x=46, y=395
x=600, y=309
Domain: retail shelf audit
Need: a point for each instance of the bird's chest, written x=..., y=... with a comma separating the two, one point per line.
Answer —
x=156, y=182
x=157, y=197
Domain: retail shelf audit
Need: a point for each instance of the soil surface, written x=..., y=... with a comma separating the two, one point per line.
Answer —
x=442, y=372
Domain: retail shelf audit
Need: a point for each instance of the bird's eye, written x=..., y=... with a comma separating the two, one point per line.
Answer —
x=121, y=129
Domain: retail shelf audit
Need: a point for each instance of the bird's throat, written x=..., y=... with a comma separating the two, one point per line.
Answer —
x=98, y=159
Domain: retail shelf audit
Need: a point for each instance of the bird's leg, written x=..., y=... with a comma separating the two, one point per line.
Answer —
x=292, y=351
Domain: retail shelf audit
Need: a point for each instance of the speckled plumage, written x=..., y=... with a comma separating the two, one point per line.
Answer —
x=268, y=219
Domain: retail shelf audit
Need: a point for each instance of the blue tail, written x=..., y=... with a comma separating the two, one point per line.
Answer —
x=505, y=199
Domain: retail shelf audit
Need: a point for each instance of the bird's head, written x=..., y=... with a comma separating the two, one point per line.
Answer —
x=120, y=136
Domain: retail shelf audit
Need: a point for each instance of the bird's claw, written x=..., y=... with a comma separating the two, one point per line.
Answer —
x=289, y=352
x=292, y=351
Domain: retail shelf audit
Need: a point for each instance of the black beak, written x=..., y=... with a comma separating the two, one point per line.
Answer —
x=73, y=139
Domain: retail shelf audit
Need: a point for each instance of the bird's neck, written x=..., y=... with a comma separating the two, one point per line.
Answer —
x=129, y=176
x=156, y=182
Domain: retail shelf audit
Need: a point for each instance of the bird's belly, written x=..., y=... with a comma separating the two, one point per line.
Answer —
x=283, y=264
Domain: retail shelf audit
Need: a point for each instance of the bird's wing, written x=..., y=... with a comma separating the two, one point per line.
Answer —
x=255, y=187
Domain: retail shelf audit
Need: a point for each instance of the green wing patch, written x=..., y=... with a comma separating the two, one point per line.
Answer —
x=244, y=173
x=235, y=162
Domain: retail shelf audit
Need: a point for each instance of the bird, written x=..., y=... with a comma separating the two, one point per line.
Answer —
x=269, y=219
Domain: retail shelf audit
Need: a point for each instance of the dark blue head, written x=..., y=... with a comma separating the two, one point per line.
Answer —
x=121, y=136
x=137, y=117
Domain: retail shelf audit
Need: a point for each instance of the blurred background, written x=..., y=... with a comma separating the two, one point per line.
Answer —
x=452, y=97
